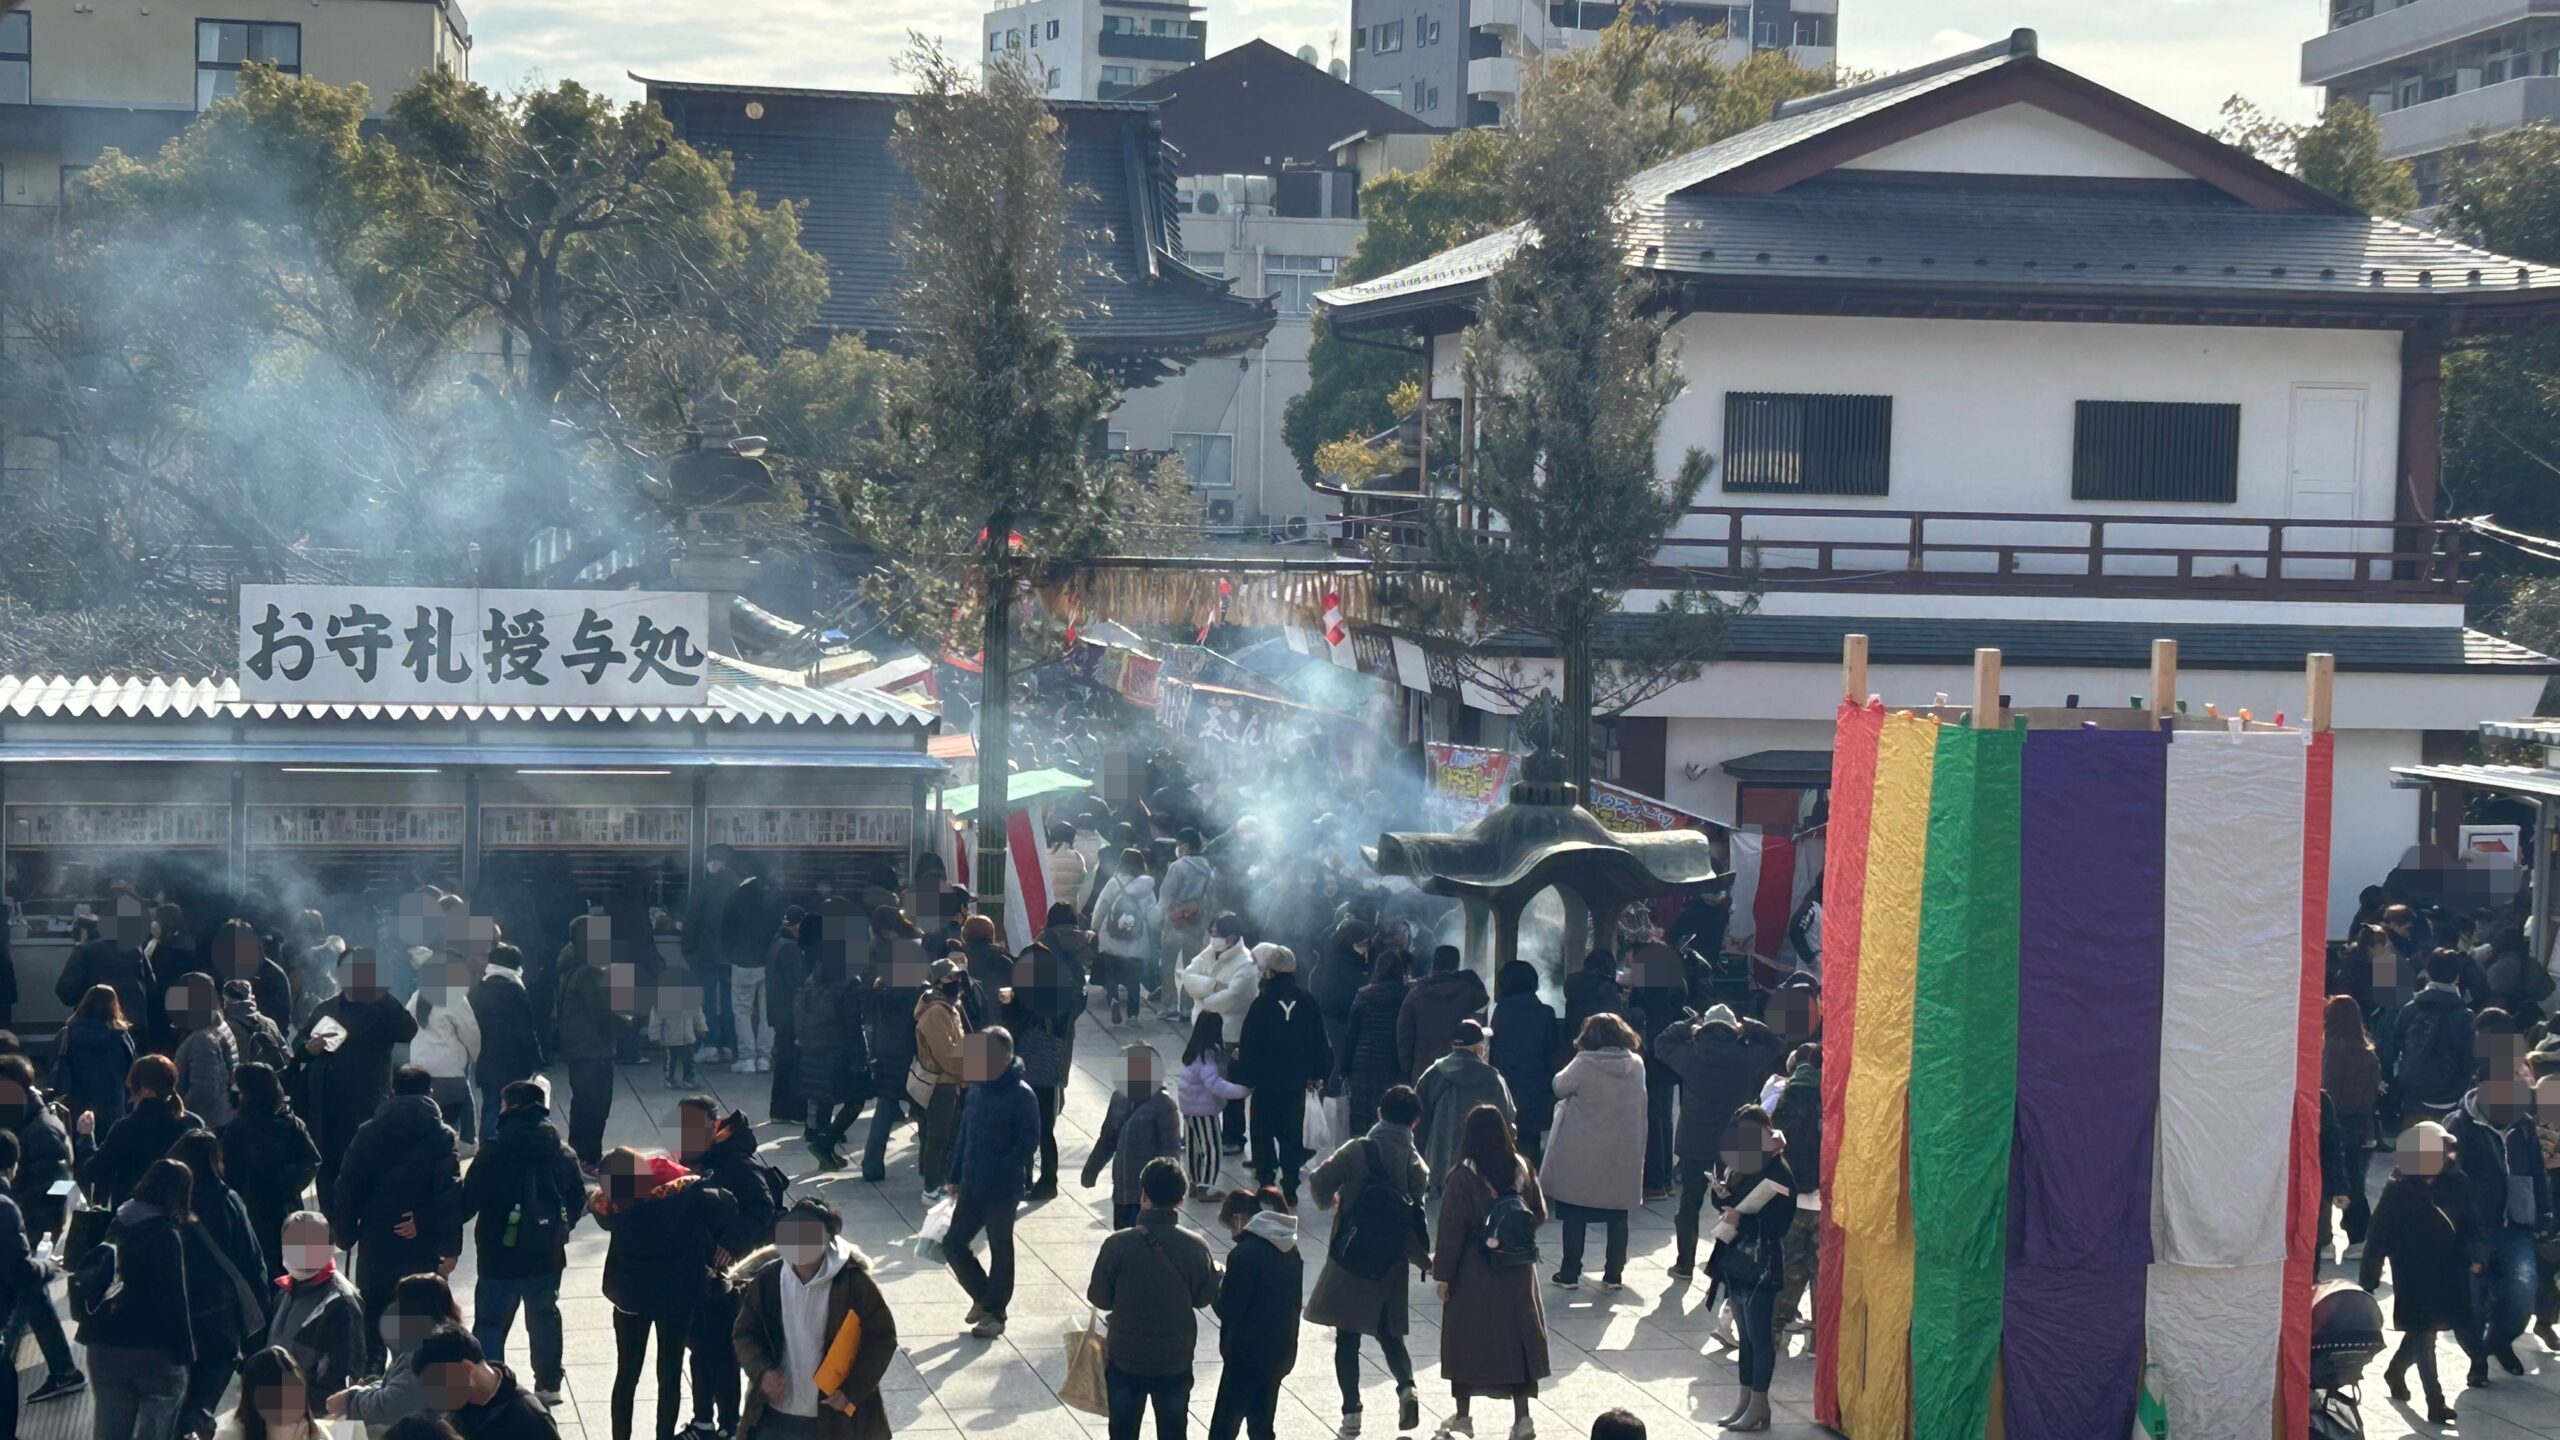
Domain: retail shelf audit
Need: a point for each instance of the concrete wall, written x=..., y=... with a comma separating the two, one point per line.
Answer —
x=143, y=52
x=1071, y=54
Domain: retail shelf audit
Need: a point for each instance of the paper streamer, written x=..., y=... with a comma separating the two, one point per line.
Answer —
x=1964, y=1043
x=1853, y=783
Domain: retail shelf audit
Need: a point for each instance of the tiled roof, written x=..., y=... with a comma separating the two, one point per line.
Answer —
x=1954, y=233
x=1257, y=108
x=2389, y=649
x=830, y=151
x=727, y=702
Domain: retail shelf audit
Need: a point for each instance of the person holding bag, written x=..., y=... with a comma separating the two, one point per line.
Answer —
x=1754, y=1196
x=933, y=1080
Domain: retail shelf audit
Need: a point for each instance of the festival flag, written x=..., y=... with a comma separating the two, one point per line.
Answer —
x=1026, y=875
x=1772, y=876
x=1334, y=634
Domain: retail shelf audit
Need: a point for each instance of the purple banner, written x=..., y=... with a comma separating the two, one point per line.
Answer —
x=2094, y=806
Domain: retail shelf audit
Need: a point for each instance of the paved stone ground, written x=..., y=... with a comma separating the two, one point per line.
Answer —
x=1647, y=1348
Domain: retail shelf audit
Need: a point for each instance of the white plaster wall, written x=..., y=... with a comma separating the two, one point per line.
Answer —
x=2019, y=139
x=1984, y=413
x=1071, y=54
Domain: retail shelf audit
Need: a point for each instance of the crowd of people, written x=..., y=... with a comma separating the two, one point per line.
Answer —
x=2436, y=1042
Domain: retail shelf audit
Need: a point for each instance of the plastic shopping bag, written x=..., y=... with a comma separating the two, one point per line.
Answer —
x=937, y=1224
x=1084, y=1389
x=1322, y=1131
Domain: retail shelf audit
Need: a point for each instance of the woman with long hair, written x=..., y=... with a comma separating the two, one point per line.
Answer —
x=1204, y=1092
x=2351, y=1076
x=268, y=1157
x=1493, y=1330
x=90, y=1060
x=142, y=1338
x=275, y=1401
x=1368, y=1061
x=154, y=1119
x=227, y=1277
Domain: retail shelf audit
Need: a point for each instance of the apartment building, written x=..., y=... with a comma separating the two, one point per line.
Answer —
x=1097, y=49
x=78, y=77
x=2439, y=72
x=1457, y=63
x=1273, y=152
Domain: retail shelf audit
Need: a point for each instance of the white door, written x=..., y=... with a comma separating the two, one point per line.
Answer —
x=2325, y=475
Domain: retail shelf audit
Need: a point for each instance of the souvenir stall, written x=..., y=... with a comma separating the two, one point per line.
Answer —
x=2069, y=956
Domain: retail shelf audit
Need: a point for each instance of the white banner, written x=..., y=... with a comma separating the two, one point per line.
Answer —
x=386, y=645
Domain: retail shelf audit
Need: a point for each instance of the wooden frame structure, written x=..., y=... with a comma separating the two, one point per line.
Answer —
x=1989, y=708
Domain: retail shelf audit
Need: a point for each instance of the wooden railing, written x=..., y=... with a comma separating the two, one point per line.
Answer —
x=1890, y=551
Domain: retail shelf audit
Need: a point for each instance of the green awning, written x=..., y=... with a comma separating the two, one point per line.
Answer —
x=1024, y=789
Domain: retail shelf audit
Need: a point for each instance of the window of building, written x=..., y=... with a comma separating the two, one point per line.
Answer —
x=1210, y=460
x=1053, y=29
x=1767, y=36
x=1116, y=78
x=16, y=69
x=1116, y=441
x=2148, y=450
x=995, y=41
x=1119, y=25
x=2409, y=92
x=1360, y=37
x=1807, y=444
x=1427, y=31
x=1296, y=279
x=1431, y=100
x=1035, y=37
x=1212, y=263
x=1389, y=37
x=70, y=176
x=1013, y=39
x=1053, y=80
x=1814, y=30
x=223, y=46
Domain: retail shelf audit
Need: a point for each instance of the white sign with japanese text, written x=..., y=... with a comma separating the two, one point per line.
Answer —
x=397, y=645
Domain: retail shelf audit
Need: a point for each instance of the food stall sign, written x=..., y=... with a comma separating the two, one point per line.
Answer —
x=586, y=827
x=809, y=827
x=135, y=826
x=355, y=827
x=350, y=644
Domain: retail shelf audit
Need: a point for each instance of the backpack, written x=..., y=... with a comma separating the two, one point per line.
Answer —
x=1510, y=1233
x=259, y=1041
x=1377, y=1230
x=538, y=1225
x=93, y=1281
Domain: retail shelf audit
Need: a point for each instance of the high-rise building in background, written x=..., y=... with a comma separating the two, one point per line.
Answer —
x=1097, y=49
x=2438, y=72
x=1457, y=62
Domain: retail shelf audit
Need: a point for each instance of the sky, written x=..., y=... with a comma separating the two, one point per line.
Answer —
x=2180, y=56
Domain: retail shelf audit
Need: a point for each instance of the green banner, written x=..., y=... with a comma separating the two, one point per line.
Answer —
x=1964, y=1079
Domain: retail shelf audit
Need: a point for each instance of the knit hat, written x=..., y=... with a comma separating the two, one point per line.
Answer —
x=1720, y=1015
x=1275, y=959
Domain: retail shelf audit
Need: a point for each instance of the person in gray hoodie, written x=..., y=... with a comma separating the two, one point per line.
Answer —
x=1455, y=1084
x=1257, y=1309
x=420, y=1304
x=1182, y=909
x=208, y=1056
x=1142, y=1124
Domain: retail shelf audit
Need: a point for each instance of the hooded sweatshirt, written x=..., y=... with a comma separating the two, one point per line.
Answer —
x=2503, y=1162
x=1258, y=1302
x=804, y=1324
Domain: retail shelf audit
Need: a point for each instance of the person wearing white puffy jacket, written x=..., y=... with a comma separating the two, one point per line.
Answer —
x=1223, y=979
x=447, y=1044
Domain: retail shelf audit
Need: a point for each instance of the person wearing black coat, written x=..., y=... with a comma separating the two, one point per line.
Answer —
x=338, y=1085
x=510, y=1032
x=112, y=957
x=521, y=1172
x=228, y=1278
x=44, y=1147
x=1368, y=1066
x=1523, y=1048
x=1048, y=999
x=153, y=1120
x=722, y=1150
x=23, y=1279
x=141, y=1337
x=1257, y=1307
x=894, y=983
x=1281, y=1056
x=238, y=954
x=832, y=1054
x=2500, y=1151
x=397, y=1201
x=1342, y=971
x=1720, y=1063
x=268, y=1156
x=666, y=1225
x=2423, y=1227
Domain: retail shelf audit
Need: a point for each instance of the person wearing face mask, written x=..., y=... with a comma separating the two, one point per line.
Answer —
x=1142, y=1124
x=2501, y=1158
x=1223, y=979
x=208, y=1056
x=2423, y=1228
x=1754, y=1196
x=939, y=1028
x=317, y=1317
x=342, y=1058
x=1257, y=1309
x=813, y=1333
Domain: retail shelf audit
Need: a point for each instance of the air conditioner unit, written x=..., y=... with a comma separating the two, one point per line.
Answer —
x=1296, y=529
x=1222, y=512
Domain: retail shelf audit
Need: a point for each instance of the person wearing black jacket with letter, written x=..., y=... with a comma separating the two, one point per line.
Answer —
x=525, y=1194
x=1281, y=1055
x=398, y=1198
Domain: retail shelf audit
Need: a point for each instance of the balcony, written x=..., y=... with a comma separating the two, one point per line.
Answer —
x=1495, y=78
x=1900, y=552
x=2433, y=125
x=2412, y=29
x=1179, y=49
x=1511, y=17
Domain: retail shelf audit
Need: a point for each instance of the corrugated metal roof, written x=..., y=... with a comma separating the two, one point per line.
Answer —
x=2504, y=779
x=2538, y=732
x=160, y=697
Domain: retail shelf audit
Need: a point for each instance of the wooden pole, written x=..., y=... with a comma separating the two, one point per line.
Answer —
x=2164, y=677
x=1853, y=668
x=1986, y=689
x=2320, y=679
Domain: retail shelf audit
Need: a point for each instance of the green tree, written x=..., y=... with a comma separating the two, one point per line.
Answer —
x=2343, y=156
x=1573, y=371
x=2502, y=395
x=1673, y=92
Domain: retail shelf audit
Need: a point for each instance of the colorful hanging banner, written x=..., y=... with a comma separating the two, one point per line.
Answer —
x=1629, y=813
x=1466, y=784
